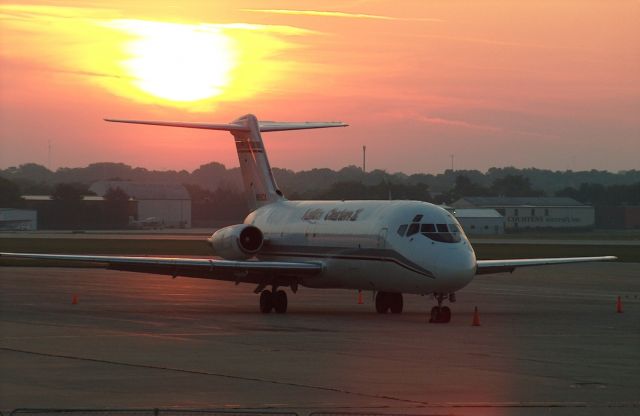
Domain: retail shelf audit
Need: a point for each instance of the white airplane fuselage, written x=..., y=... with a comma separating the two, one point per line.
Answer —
x=369, y=245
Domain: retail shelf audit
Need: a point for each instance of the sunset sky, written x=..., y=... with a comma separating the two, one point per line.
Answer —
x=548, y=84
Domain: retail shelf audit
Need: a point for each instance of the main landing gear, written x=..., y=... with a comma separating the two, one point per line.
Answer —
x=276, y=300
x=386, y=301
x=441, y=314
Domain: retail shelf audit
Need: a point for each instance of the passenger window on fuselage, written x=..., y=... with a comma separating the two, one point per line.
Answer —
x=413, y=229
x=402, y=229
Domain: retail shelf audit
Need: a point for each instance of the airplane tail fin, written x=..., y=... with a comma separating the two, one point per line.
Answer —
x=259, y=184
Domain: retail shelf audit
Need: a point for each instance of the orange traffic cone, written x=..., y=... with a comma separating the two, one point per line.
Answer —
x=74, y=299
x=360, y=302
x=619, y=305
x=476, y=317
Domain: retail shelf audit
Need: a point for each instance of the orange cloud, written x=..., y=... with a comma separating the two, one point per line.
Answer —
x=337, y=14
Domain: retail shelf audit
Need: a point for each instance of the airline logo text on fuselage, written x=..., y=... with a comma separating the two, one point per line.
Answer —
x=335, y=214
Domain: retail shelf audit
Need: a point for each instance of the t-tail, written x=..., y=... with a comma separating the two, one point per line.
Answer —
x=259, y=184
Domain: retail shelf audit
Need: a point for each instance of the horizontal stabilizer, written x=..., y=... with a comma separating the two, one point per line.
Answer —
x=282, y=126
x=265, y=126
x=208, y=126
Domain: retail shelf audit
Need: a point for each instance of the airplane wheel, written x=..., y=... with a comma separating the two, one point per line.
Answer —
x=382, y=302
x=445, y=315
x=280, y=301
x=396, y=303
x=266, y=301
x=440, y=315
x=435, y=315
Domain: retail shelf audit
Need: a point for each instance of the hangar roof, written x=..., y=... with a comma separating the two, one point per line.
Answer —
x=476, y=213
x=500, y=201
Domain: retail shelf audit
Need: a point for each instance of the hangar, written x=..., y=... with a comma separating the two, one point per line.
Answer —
x=18, y=219
x=167, y=204
x=535, y=212
x=476, y=221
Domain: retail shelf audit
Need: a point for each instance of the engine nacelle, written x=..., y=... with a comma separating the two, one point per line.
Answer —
x=237, y=242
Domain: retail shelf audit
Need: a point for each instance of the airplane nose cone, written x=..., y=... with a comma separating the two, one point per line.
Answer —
x=456, y=267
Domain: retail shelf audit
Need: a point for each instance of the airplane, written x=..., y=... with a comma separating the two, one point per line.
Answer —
x=388, y=247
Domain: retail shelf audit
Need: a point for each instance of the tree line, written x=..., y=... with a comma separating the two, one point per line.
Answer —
x=213, y=205
x=36, y=179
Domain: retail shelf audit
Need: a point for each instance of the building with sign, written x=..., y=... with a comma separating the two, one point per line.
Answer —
x=535, y=212
x=477, y=221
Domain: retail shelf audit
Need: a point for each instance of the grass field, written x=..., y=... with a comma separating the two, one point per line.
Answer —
x=625, y=253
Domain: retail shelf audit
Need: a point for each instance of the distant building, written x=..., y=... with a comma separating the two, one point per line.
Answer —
x=167, y=205
x=18, y=219
x=535, y=212
x=476, y=221
x=622, y=217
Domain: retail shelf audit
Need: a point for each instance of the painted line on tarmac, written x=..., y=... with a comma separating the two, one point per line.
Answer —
x=515, y=404
x=222, y=375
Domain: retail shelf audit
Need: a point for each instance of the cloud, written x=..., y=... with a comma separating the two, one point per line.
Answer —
x=337, y=14
x=457, y=123
x=482, y=127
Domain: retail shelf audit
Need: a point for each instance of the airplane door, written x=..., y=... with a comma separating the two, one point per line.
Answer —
x=382, y=237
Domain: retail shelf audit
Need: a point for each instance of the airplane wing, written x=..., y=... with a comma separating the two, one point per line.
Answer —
x=247, y=271
x=502, y=266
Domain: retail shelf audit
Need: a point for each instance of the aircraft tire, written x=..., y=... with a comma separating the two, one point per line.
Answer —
x=396, y=302
x=266, y=301
x=382, y=302
x=435, y=315
x=440, y=315
x=280, y=301
x=445, y=315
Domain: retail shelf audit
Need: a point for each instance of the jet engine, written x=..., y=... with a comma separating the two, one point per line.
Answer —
x=237, y=242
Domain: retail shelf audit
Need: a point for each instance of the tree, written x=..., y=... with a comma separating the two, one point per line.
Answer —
x=9, y=194
x=514, y=185
x=69, y=192
x=67, y=205
x=116, y=208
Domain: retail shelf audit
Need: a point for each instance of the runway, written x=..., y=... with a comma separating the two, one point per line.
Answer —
x=549, y=342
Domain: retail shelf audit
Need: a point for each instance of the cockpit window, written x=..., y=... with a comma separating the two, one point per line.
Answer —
x=413, y=229
x=402, y=229
x=441, y=233
x=417, y=218
x=428, y=228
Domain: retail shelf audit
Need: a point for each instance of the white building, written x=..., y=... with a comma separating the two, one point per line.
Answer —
x=167, y=204
x=18, y=219
x=535, y=212
x=476, y=221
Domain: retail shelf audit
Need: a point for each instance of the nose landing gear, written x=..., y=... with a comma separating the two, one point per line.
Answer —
x=441, y=314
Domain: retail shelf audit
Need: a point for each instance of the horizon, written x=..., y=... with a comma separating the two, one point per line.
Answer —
x=443, y=172
x=552, y=85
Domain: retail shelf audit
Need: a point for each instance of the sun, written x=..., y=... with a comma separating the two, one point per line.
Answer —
x=178, y=62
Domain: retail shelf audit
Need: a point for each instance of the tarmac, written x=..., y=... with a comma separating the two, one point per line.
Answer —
x=550, y=342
